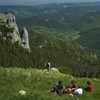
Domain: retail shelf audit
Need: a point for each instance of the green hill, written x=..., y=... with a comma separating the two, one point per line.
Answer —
x=66, y=56
x=86, y=21
x=83, y=22
x=60, y=34
x=91, y=38
x=37, y=84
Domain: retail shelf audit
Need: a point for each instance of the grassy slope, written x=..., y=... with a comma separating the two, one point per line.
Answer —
x=37, y=83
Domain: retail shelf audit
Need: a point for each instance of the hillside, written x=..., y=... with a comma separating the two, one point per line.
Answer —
x=60, y=34
x=62, y=55
x=47, y=45
x=86, y=21
x=37, y=84
x=72, y=19
x=19, y=11
x=66, y=35
x=56, y=34
x=91, y=38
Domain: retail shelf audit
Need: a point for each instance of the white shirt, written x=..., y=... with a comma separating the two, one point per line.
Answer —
x=79, y=91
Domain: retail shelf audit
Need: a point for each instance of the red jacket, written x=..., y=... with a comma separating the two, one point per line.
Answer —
x=89, y=87
x=68, y=90
x=74, y=85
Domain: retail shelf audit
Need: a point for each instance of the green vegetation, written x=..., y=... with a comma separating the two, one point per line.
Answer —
x=37, y=84
x=78, y=19
x=5, y=29
x=67, y=57
x=87, y=21
x=61, y=34
x=53, y=29
x=91, y=38
x=64, y=35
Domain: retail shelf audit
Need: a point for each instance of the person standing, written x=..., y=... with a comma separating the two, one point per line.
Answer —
x=58, y=88
x=48, y=65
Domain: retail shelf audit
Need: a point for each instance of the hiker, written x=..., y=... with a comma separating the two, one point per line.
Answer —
x=48, y=65
x=74, y=85
x=58, y=88
x=67, y=90
x=78, y=92
x=89, y=87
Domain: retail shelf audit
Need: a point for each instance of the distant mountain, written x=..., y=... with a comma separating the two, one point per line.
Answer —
x=86, y=21
x=49, y=5
x=21, y=11
x=67, y=19
x=67, y=8
x=55, y=5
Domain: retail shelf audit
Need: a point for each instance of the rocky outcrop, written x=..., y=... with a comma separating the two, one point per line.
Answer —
x=11, y=21
x=25, y=39
x=15, y=35
x=9, y=30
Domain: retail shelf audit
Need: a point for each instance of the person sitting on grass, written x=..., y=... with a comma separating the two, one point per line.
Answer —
x=58, y=88
x=67, y=90
x=74, y=85
x=89, y=87
x=78, y=92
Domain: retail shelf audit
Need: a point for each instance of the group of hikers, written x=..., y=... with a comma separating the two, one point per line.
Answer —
x=74, y=90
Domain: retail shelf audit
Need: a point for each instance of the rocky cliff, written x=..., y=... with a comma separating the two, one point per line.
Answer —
x=9, y=31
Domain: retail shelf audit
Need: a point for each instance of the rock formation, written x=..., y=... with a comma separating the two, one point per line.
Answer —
x=25, y=39
x=9, y=30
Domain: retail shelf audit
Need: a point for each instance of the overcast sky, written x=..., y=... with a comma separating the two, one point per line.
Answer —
x=37, y=2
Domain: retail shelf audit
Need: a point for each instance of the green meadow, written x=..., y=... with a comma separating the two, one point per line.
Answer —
x=37, y=84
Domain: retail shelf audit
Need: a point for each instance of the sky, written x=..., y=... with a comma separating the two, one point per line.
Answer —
x=37, y=2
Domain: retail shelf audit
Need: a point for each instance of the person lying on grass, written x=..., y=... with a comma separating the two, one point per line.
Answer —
x=78, y=92
x=58, y=88
x=67, y=90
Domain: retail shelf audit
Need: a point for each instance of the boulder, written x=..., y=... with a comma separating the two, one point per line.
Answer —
x=22, y=92
x=55, y=69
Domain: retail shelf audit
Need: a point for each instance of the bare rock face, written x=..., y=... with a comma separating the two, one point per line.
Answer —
x=15, y=35
x=25, y=39
x=11, y=21
x=8, y=21
x=9, y=30
x=2, y=18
